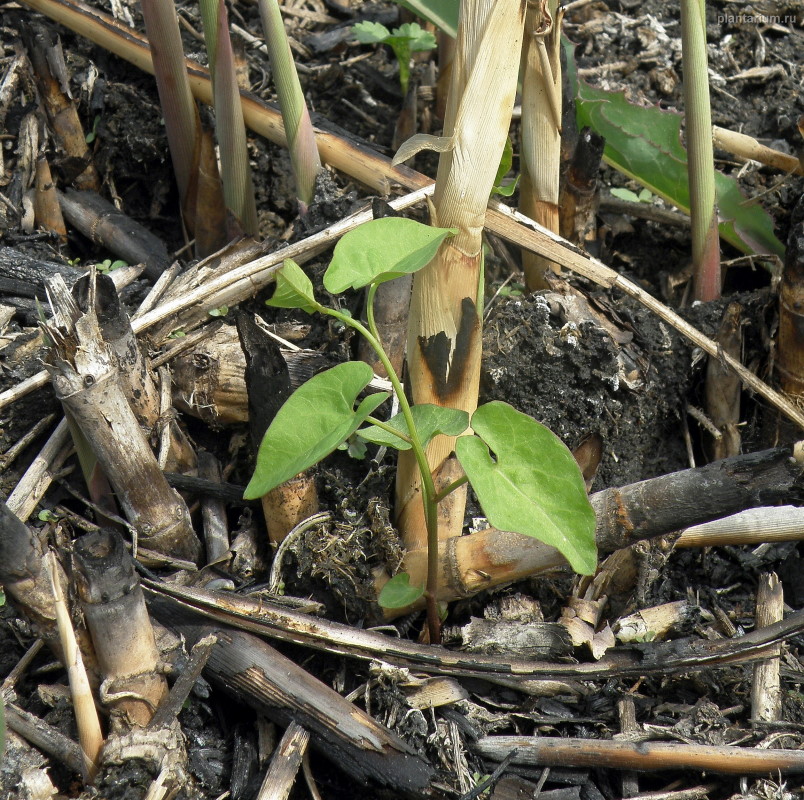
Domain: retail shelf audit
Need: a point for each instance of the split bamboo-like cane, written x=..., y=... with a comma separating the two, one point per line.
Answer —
x=86, y=381
x=541, y=129
x=791, y=311
x=649, y=756
x=444, y=328
x=114, y=608
x=86, y=715
x=766, y=690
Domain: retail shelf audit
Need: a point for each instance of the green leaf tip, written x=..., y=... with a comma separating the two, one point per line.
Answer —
x=398, y=592
x=293, y=289
x=314, y=420
x=532, y=484
x=381, y=250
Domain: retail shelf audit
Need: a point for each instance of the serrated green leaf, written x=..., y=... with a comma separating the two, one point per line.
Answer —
x=370, y=32
x=398, y=592
x=532, y=484
x=442, y=13
x=430, y=420
x=381, y=250
x=418, y=38
x=645, y=144
x=293, y=289
x=314, y=420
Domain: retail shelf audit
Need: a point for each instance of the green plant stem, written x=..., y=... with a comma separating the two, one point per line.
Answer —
x=428, y=486
x=700, y=164
x=450, y=488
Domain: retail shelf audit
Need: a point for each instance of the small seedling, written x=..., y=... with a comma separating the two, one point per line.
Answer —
x=404, y=40
x=622, y=193
x=107, y=265
x=523, y=476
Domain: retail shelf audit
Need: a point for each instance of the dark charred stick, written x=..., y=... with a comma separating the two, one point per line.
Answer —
x=26, y=578
x=262, y=678
x=268, y=385
x=30, y=274
x=723, y=387
x=579, y=195
x=113, y=230
x=647, y=756
x=671, y=502
x=229, y=493
x=47, y=58
x=114, y=607
x=180, y=691
x=268, y=619
x=47, y=738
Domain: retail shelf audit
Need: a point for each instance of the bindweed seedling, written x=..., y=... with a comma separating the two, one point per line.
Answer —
x=404, y=40
x=524, y=477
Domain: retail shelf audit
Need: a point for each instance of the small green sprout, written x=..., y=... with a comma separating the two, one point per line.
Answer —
x=644, y=196
x=221, y=311
x=404, y=40
x=107, y=265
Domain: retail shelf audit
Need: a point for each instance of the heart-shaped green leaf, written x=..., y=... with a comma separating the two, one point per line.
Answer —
x=532, y=485
x=429, y=420
x=398, y=592
x=293, y=289
x=314, y=420
x=380, y=250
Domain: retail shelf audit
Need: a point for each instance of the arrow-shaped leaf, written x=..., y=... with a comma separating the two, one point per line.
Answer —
x=314, y=420
x=293, y=289
x=531, y=484
x=380, y=250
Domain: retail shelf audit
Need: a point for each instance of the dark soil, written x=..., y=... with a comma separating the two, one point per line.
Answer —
x=630, y=384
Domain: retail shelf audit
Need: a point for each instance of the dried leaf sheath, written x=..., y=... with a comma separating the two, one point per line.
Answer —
x=444, y=329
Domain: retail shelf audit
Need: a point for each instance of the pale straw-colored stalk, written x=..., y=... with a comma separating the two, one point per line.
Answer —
x=541, y=129
x=230, y=129
x=295, y=116
x=444, y=328
x=700, y=161
x=90, y=736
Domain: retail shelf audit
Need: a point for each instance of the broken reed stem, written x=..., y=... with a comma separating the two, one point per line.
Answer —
x=114, y=608
x=744, y=146
x=86, y=716
x=766, y=690
x=648, y=756
x=701, y=163
x=89, y=388
x=541, y=129
x=285, y=762
x=753, y=526
x=445, y=320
